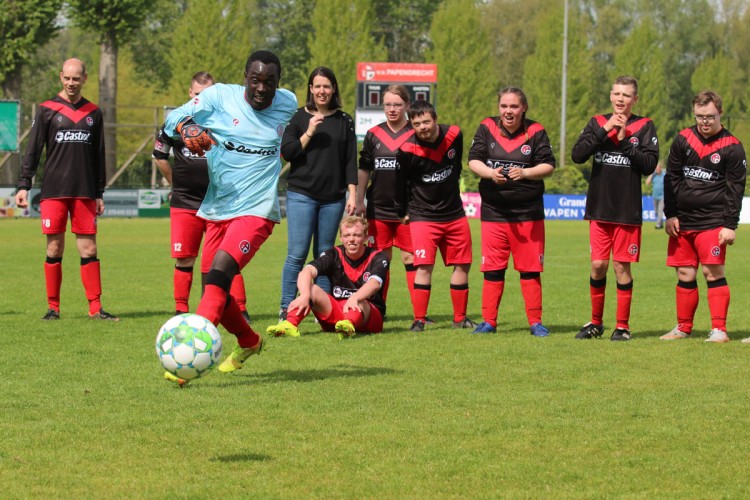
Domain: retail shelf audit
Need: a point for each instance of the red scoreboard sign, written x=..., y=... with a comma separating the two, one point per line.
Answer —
x=396, y=72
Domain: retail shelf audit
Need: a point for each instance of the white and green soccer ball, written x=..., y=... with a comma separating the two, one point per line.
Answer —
x=188, y=346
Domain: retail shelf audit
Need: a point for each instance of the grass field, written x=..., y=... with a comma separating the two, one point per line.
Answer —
x=85, y=412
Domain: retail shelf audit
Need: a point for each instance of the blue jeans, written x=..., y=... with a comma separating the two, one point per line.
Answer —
x=308, y=219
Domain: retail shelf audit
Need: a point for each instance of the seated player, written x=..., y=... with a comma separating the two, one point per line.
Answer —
x=357, y=274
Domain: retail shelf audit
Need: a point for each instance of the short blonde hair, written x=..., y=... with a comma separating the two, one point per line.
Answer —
x=353, y=220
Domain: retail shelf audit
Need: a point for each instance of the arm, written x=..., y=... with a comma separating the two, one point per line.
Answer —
x=162, y=146
x=31, y=159
x=305, y=286
x=100, y=168
x=478, y=155
x=401, y=196
x=645, y=155
x=368, y=290
x=735, y=173
x=293, y=144
x=672, y=182
x=542, y=159
x=165, y=168
x=350, y=159
x=588, y=142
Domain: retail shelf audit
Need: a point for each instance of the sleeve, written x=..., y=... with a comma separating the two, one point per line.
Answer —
x=162, y=146
x=478, y=150
x=379, y=266
x=645, y=155
x=197, y=109
x=542, y=152
x=352, y=176
x=37, y=140
x=326, y=263
x=401, y=194
x=588, y=142
x=366, y=158
x=291, y=147
x=459, y=145
x=673, y=178
x=99, y=162
x=736, y=173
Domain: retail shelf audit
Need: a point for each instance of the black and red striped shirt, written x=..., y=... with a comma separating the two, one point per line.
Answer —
x=73, y=136
x=614, y=193
x=528, y=147
x=705, y=180
x=189, y=173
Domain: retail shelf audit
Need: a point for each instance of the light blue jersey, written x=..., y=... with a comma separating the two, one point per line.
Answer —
x=244, y=165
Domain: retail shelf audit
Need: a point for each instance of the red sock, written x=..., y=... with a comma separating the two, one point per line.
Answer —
x=212, y=303
x=53, y=279
x=687, y=302
x=531, y=289
x=624, y=299
x=492, y=293
x=235, y=323
x=238, y=291
x=421, y=300
x=460, y=299
x=183, y=280
x=718, y=303
x=597, y=289
x=411, y=271
x=92, y=283
x=356, y=317
x=294, y=317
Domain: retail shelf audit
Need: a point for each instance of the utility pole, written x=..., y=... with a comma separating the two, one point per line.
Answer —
x=564, y=85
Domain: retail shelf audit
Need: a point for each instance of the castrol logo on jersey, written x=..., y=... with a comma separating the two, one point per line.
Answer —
x=715, y=158
x=72, y=136
x=89, y=121
x=341, y=293
x=386, y=163
x=612, y=159
x=244, y=246
x=526, y=150
x=189, y=154
x=437, y=176
x=634, y=141
x=633, y=249
x=700, y=174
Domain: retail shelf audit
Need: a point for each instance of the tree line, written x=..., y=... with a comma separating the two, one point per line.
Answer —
x=142, y=53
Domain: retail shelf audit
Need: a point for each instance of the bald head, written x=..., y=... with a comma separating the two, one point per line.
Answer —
x=72, y=77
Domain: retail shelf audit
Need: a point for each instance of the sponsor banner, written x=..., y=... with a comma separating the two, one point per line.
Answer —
x=396, y=72
x=365, y=119
x=153, y=202
x=120, y=203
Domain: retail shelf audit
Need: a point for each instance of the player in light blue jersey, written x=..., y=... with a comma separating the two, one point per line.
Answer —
x=239, y=129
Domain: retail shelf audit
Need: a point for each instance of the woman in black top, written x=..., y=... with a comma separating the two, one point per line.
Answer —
x=321, y=146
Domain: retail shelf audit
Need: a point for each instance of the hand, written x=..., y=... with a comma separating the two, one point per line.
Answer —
x=316, y=120
x=498, y=176
x=617, y=121
x=516, y=173
x=196, y=137
x=726, y=236
x=672, y=227
x=302, y=304
x=99, y=206
x=405, y=220
x=22, y=198
x=351, y=304
x=351, y=206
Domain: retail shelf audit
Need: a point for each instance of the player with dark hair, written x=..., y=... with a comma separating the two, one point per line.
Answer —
x=189, y=180
x=512, y=155
x=71, y=128
x=427, y=195
x=703, y=193
x=239, y=128
x=625, y=149
x=356, y=272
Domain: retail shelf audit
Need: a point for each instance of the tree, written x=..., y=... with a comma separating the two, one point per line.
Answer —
x=342, y=37
x=466, y=87
x=404, y=27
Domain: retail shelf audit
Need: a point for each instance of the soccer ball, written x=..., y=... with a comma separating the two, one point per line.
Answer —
x=188, y=346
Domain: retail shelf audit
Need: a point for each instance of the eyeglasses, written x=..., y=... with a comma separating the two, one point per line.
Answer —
x=705, y=118
x=394, y=106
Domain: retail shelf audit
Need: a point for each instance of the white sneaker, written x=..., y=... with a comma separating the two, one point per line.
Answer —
x=746, y=341
x=675, y=334
x=717, y=336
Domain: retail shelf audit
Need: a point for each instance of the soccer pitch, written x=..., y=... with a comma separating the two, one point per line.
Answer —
x=85, y=412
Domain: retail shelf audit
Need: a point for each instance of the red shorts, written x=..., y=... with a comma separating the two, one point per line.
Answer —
x=389, y=233
x=524, y=240
x=623, y=241
x=693, y=247
x=240, y=237
x=374, y=323
x=54, y=213
x=452, y=238
x=187, y=231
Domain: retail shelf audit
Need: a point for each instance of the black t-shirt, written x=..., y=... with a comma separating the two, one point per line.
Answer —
x=378, y=156
x=348, y=276
x=705, y=180
x=529, y=146
x=72, y=134
x=428, y=178
x=614, y=193
x=189, y=173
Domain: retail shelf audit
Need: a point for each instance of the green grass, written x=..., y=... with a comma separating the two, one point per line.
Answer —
x=85, y=412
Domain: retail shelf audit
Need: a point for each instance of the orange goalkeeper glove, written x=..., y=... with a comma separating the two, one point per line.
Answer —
x=196, y=137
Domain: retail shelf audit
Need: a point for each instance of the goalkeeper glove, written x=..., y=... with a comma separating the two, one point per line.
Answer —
x=196, y=137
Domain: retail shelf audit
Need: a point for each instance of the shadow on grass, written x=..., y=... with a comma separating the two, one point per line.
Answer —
x=241, y=457
x=339, y=371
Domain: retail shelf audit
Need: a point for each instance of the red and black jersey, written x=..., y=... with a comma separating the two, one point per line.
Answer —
x=347, y=276
x=73, y=136
x=378, y=156
x=189, y=173
x=614, y=193
x=705, y=180
x=428, y=177
x=528, y=147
